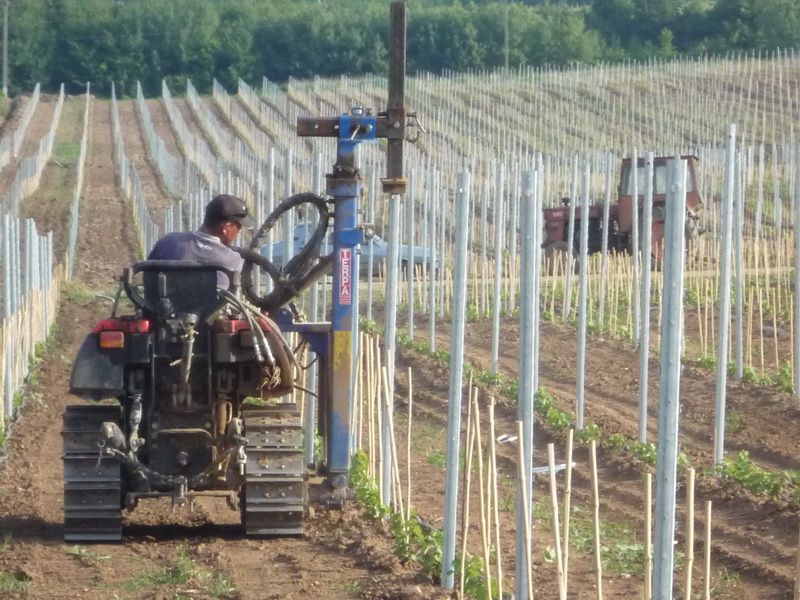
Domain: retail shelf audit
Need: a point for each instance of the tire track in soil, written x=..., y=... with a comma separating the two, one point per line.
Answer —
x=340, y=557
x=158, y=198
x=38, y=128
x=767, y=556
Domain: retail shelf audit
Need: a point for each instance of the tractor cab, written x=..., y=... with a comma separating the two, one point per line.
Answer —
x=624, y=206
x=620, y=219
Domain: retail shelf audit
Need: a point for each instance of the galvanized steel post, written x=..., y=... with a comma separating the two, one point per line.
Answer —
x=738, y=260
x=604, y=244
x=644, y=346
x=582, y=297
x=499, y=243
x=669, y=400
x=392, y=261
x=724, y=296
x=796, y=232
x=456, y=379
x=529, y=272
x=410, y=257
x=635, y=246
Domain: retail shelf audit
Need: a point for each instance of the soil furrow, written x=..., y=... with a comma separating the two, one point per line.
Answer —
x=158, y=198
x=38, y=128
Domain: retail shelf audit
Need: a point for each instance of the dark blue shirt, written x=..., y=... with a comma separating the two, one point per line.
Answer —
x=200, y=247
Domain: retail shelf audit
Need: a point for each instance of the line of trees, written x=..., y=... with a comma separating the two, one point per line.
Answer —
x=127, y=40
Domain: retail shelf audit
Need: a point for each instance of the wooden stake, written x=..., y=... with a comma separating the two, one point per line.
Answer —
x=387, y=390
x=567, y=500
x=482, y=497
x=495, y=498
x=466, y=494
x=648, y=536
x=598, y=563
x=371, y=408
x=707, y=553
x=526, y=517
x=551, y=461
x=379, y=423
x=408, y=444
x=689, y=534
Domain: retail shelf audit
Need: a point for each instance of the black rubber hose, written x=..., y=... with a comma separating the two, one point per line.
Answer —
x=295, y=275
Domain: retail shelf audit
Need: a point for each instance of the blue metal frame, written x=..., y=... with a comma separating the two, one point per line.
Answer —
x=345, y=186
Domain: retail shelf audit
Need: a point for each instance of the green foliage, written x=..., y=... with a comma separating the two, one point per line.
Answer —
x=75, y=41
x=784, y=381
x=365, y=489
x=591, y=431
x=436, y=458
x=645, y=452
x=617, y=442
x=85, y=556
x=66, y=153
x=14, y=583
x=743, y=472
x=75, y=292
x=553, y=417
x=179, y=573
x=368, y=326
x=413, y=542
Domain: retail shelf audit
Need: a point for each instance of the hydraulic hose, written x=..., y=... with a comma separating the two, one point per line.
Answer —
x=296, y=274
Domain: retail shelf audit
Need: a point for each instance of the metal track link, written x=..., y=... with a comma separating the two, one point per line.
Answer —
x=276, y=489
x=92, y=489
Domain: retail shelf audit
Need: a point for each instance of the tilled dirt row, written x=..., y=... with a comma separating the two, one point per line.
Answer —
x=752, y=537
x=158, y=198
x=37, y=129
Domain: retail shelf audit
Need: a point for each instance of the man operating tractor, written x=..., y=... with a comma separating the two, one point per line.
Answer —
x=225, y=217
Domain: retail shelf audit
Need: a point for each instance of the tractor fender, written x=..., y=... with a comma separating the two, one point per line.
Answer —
x=97, y=373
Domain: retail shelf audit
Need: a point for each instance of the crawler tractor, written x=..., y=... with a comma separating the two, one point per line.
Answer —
x=194, y=386
x=620, y=222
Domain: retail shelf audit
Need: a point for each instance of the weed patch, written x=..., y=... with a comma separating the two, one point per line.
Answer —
x=14, y=583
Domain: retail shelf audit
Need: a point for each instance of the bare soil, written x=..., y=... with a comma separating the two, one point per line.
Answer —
x=753, y=540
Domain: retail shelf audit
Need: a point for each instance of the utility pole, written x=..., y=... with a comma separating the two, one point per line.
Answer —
x=506, y=35
x=5, y=48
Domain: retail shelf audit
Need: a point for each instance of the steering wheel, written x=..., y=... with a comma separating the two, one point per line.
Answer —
x=290, y=280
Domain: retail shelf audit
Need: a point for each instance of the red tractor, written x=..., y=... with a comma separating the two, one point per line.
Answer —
x=620, y=220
